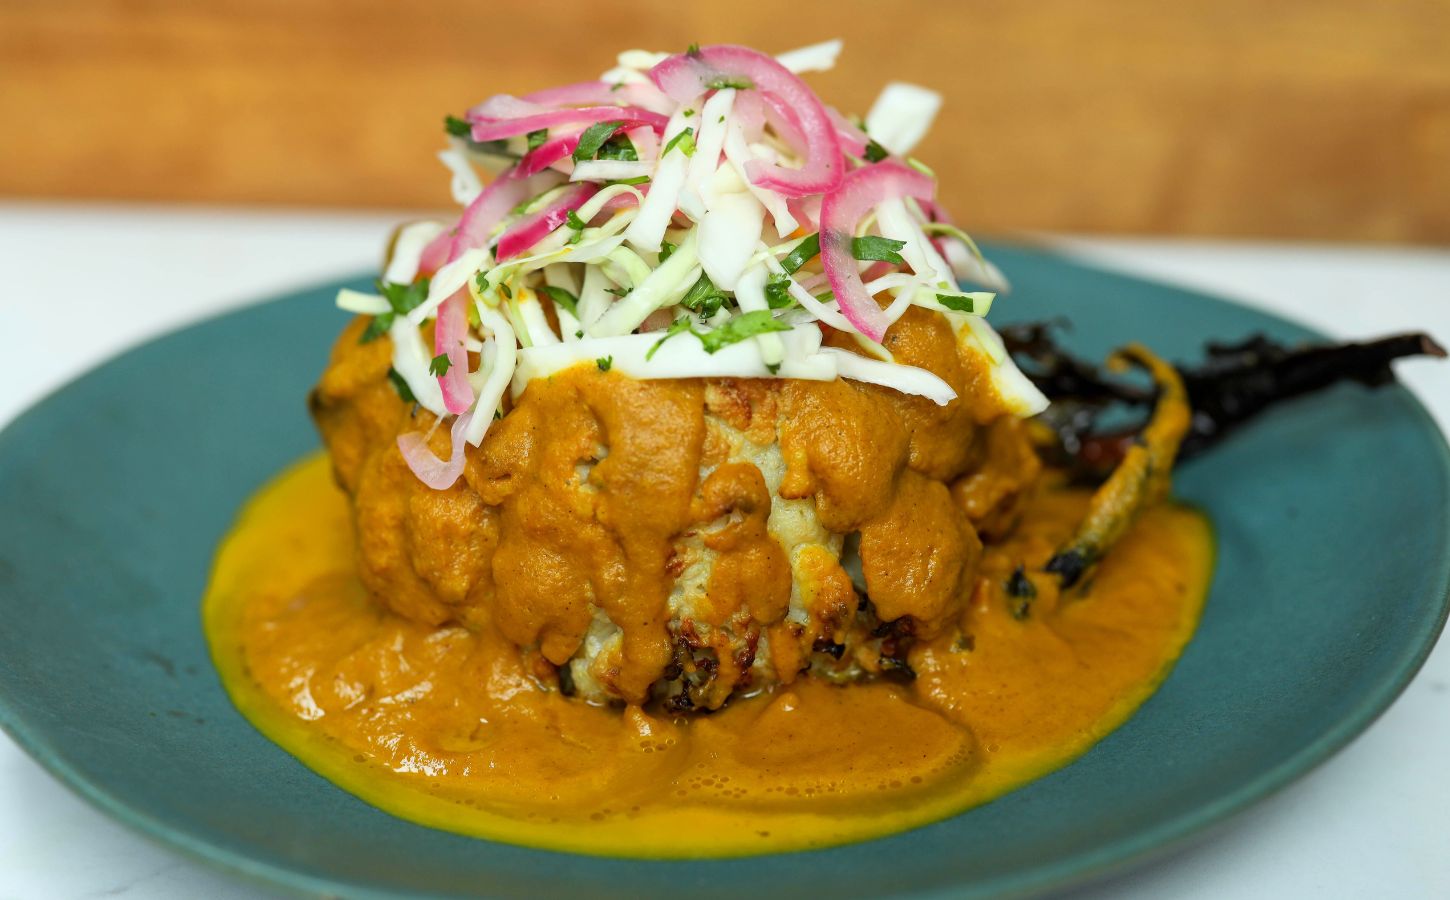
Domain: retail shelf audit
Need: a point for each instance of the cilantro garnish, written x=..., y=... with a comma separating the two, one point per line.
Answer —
x=593, y=138
x=537, y=138
x=574, y=224
x=703, y=297
x=462, y=128
x=402, y=298
x=740, y=328
x=605, y=363
x=401, y=386
x=732, y=332
x=666, y=248
x=881, y=249
x=440, y=365
x=562, y=298
x=803, y=253
x=685, y=140
x=677, y=326
x=875, y=152
x=777, y=292
x=619, y=147
x=376, y=328
x=960, y=304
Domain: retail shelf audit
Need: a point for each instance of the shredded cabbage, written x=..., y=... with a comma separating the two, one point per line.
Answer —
x=902, y=116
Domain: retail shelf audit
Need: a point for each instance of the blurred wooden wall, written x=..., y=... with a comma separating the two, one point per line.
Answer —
x=1286, y=118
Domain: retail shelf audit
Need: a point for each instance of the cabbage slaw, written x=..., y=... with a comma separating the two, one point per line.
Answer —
x=700, y=214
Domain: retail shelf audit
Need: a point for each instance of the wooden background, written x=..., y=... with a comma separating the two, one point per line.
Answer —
x=1286, y=118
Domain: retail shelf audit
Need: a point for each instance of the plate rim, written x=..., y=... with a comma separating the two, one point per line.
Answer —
x=1078, y=869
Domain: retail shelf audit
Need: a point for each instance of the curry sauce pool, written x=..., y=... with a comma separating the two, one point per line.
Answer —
x=447, y=727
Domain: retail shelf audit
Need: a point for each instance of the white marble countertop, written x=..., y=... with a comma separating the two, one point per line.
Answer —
x=82, y=283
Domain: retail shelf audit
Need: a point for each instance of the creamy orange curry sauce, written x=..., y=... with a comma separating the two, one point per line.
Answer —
x=450, y=725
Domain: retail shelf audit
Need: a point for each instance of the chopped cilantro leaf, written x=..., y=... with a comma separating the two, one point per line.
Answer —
x=773, y=368
x=462, y=128
x=777, y=292
x=617, y=291
x=562, y=298
x=402, y=298
x=481, y=279
x=605, y=363
x=593, y=138
x=574, y=224
x=881, y=249
x=619, y=147
x=376, y=328
x=685, y=140
x=875, y=152
x=440, y=365
x=803, y=253
x=732, y=332
x=401, y=386
x=537, y=138
x=688, y=112
x=666, y=248
x=677, y=326
x=506, y=290
x=703, y=297
x=960, y=304
x=740, y=328
x=692, y=50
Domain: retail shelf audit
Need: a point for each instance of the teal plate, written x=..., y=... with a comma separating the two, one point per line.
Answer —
x=1333, y=520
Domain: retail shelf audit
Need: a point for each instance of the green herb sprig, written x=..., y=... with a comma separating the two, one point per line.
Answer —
x=402, y=299
x=593, y=139
x=875, y=248
x=733, y=331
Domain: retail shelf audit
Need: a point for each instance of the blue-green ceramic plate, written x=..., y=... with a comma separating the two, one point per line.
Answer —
x=1333, y=520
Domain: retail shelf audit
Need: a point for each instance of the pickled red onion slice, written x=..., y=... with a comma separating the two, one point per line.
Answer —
x=488, y=208
x=688, y=75
x=438, y=474
x=448, y=334
x=486, y=128
x=534, y=227
x=841, y=211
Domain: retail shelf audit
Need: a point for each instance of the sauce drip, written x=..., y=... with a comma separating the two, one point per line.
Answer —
x=446, y=726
